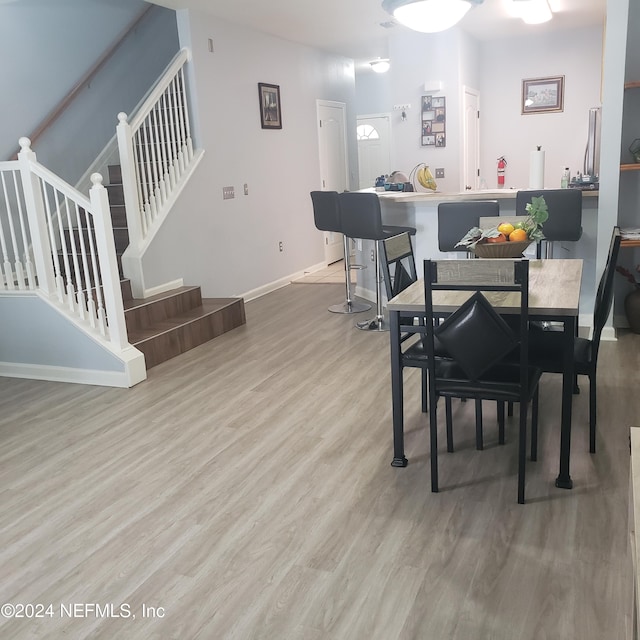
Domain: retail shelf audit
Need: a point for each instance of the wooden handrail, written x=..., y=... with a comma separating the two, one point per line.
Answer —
x=86, y=79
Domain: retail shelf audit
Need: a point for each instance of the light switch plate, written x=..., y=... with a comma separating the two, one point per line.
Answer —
x=228, y=193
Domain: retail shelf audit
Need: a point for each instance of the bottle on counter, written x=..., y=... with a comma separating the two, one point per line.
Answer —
x=566, y=178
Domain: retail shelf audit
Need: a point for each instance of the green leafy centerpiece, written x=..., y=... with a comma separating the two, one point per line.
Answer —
x=508, y=240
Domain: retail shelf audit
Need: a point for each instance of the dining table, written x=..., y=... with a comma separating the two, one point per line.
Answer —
x=554, y=296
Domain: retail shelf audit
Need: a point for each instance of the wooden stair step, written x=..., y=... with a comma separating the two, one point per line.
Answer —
x=175, y=335
x=140, y=313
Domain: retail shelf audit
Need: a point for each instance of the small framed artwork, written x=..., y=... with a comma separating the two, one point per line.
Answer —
x=270, y=109
x=434, y=116
x=543, y=95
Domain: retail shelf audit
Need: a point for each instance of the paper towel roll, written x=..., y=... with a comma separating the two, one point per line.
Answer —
x=536, y=170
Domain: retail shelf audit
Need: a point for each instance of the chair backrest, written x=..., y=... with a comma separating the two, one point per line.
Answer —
x=398, y=264
x=475, y=336
x=361, y=215
x=326, y=210
x=456, y=218
x=604, y=294
x=565, y=212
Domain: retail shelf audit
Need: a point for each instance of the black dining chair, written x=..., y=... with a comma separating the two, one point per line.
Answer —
x=456, y=218
x=546, y=343
x=565, y=216
x=398, y=272
x=480, y=345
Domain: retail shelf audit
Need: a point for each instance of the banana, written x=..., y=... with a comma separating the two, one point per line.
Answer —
x=425, y=177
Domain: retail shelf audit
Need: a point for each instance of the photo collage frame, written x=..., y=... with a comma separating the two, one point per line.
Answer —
x=434, y=118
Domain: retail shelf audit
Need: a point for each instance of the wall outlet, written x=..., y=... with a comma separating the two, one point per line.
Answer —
x=401, y=107
x=246, y=189
x=373, y=256
x=439, y=173
x=281, y=246
x=228, y=193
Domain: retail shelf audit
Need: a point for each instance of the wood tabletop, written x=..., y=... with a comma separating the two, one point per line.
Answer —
x=554, y=290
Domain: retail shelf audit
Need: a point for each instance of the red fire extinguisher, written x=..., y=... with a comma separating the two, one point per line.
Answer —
x=502, y=163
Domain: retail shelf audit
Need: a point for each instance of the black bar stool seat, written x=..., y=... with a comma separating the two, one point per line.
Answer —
x=362, y=218
x=327, y=217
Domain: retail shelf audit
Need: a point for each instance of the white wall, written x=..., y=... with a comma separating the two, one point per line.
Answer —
x=230, y=247
x=417, y=58
x=496, y=69
x=576, y=54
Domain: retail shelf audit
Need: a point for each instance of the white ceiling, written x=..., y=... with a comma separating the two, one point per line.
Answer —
x=353, y=27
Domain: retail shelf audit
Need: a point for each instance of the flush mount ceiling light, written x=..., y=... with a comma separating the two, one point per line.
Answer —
x=428, y=16
x=533, y=11
x=380, y=65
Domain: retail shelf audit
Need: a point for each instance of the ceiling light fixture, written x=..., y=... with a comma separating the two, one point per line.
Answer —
x=380, y=65
x=428, y=16
x=533, y=11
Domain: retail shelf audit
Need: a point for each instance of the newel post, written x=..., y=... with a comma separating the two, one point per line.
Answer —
x=129, y=182
x=108, y=262
x=37, y=219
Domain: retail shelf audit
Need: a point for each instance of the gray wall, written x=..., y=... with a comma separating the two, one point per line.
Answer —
x=230, y=247
x=34, y=333
x=50, y=45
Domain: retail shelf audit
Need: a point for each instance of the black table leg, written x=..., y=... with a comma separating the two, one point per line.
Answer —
x=396, y=391
x=570, y=328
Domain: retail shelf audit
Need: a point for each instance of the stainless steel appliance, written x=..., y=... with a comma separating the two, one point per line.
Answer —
x=591, y=169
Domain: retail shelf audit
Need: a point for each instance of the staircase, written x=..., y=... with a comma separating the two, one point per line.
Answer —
x=168, y=324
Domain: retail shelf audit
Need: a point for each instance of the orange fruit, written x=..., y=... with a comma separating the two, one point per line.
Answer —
x=506, y=228
x=500, y=238
x=518, y=235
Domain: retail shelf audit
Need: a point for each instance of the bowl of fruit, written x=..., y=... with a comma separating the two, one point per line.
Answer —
x=507, y=240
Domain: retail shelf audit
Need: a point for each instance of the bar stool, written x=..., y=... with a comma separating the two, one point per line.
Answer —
x=565, y=215
x=326, y=213
x=456, y=218
x=362, y=218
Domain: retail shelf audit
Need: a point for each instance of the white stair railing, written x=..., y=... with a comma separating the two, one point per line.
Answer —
x=55, y=241
x=156, y=151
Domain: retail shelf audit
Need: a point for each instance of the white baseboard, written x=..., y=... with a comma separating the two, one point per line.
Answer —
x=163, y=288
x=122, y=379
x=267, y=288
x=278, y=284
x=311, y=269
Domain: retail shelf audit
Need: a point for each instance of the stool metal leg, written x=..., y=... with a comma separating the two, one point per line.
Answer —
x=348, y=306
x=378, y=323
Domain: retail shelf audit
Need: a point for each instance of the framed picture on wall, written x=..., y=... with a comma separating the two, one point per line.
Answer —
x=434, y=116
x=543, y=95
x=270, y=110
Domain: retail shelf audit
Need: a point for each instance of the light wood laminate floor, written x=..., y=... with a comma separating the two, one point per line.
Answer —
x=245, y=491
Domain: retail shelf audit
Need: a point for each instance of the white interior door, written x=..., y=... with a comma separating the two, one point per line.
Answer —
x=374, y=148
x=332, y=138
x=471, y=139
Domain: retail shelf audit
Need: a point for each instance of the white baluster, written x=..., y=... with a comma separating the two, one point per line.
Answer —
x=108, y=262
x=36, y=217
x=187, y=125
x=6, y=270
x=31, y=275
x=132, y=196
x=174, y=145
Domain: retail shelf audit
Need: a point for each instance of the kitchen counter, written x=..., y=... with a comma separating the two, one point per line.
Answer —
x=481, y=194
x=420, y=210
